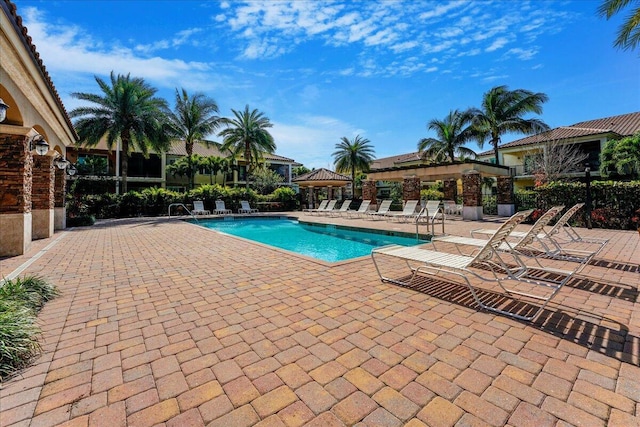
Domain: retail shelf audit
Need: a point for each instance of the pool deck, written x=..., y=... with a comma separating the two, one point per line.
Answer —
x=161, y=322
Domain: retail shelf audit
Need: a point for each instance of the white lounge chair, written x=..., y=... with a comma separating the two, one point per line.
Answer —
x=321, y=206
x=221, y=209
x=245, y=208
x=383, y=210
x=487, y=259
x=551, y=242
x=328, y=207
x=408, y=212
x=362, y=210
x=198, y=208
x=525, y=247
x=451, y=208
x=343, y=208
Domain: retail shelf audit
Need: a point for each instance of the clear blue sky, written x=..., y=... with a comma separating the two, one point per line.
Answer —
x=323, y=70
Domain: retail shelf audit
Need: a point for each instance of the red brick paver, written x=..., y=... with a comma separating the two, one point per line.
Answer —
x=165, y=323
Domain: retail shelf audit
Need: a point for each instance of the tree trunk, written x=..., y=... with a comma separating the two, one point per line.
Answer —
x=125, y=162
x=190, y=175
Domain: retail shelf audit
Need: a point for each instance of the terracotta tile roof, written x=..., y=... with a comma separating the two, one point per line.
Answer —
x=178, y=149
x=11, y=12
x=398, y=160
x=623, y=125
x=321, y=174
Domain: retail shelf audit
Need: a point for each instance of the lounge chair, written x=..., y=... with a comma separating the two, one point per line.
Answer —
x=221, y=209
x=328, y=207
x=362, y=210
x=382, y=211
x=198, y=208
x=433, y=213
x=451, y=208
x=487, y=259
x=550, y=242
x=408, y=212
x=525, y=245
x=245, y=208
x=343, y=208
x=321, y=206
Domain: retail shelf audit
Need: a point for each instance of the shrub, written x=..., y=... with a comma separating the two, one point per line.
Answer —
x=81, y=221
x=20, y=300
x=431, y=194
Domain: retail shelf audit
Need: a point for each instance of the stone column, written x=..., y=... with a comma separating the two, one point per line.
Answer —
x=369, y=191
x=42, y=197
x=450, y=187
x=310, y=197
x=411, y=188
x=472, y=196
x=506, y=201
x=329, y=192
x=16, y=165
x=59, y=193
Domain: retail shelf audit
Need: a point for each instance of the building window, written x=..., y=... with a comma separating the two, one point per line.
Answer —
x=92, y=164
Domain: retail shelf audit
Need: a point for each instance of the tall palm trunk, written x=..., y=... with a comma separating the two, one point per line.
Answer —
x=190, y=175
x=247, y=158
x=125, y=138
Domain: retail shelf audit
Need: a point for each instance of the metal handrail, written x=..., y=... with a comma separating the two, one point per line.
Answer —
x=418, y=223
x=185, y=208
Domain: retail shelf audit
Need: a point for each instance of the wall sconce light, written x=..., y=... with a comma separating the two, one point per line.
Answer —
x=61, y=163
x=39, y=144
x=3, y=110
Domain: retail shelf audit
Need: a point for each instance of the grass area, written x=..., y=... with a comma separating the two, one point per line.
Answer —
x=20, y=301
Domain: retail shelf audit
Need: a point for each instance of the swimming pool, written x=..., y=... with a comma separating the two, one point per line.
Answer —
x=329, y=243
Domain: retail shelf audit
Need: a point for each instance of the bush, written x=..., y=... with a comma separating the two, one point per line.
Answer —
x=81, y=221
x=431, y=194
x=614, y=203
x=20, y=300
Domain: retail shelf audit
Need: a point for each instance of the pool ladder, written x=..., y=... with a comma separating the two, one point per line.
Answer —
x=433, y=226
x=185, y=208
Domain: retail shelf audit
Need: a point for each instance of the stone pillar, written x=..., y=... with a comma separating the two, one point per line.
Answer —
x=411, y=188
x=472, y=196
x=369, y=191
x=310, y=198
x=506, y=201
x=59, y=193
x=16, y=165
x=42, y=197
x=450, y=187
x=329, y=192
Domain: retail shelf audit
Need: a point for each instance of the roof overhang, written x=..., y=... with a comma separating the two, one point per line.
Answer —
x=328, y=183
x=438, y=172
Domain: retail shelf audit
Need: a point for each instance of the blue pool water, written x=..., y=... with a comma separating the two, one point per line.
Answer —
x=325, y=242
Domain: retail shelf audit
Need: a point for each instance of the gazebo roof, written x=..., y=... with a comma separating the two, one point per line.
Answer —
x=322, y=178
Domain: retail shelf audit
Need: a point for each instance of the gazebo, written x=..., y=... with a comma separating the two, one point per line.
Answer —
x=320, y=178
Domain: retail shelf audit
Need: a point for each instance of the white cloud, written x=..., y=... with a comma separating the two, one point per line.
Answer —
x=312, y=139
x=68, y=51
x=497, y=44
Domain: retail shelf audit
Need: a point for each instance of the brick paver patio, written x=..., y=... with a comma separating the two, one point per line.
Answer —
x=164, y=323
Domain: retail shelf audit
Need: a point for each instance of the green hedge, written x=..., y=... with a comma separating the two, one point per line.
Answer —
x=156, y=201
x=615, y=204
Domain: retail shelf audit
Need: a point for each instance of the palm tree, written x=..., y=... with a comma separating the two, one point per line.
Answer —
x=192, y=120
x=502, y=111
x=247, y=134
x=353, y=155
x=181, y=167
x=629, y=33
x=214, y=164
x=126, y=111
x=453, y=132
